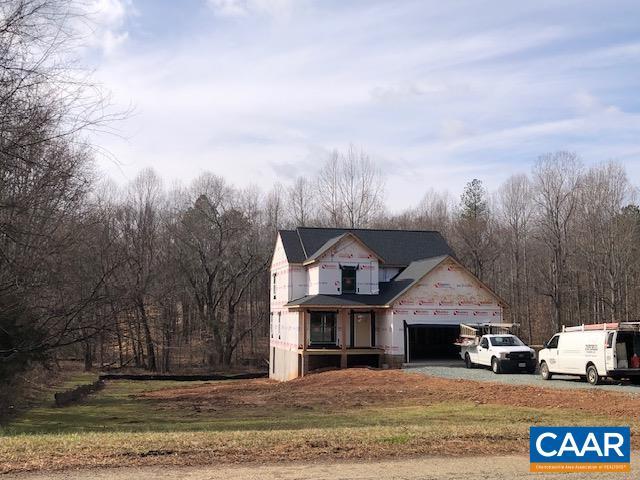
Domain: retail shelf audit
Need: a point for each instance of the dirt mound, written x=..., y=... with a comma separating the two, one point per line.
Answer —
x=362, y=387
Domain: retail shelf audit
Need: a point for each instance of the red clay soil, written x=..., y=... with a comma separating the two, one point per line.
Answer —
x=362, y=387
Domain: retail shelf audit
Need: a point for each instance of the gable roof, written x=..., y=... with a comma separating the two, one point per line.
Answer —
x=334, y=241
x=396, y=247
x=389, y=291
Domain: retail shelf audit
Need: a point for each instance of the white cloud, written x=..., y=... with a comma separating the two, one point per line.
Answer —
x=440, y=96
x=106, y=23
x=586, y=103
x=239, y=8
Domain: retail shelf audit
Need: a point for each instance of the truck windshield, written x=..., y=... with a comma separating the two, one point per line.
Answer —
x=506, y=341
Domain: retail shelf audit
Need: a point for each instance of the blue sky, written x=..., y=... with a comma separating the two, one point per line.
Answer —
x=437, y=92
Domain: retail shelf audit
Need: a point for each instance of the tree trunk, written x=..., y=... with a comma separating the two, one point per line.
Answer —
x=151, y=351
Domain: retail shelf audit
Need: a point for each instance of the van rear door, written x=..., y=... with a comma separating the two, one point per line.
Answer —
x=610, y=351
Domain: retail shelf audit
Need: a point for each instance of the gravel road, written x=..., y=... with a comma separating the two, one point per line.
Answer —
x=469, y=468
x=455, y=369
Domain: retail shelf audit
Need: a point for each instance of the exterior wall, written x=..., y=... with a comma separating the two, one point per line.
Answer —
x=284, y=324
x=283, y=364
x=298, y=284
x=317, y=276
x=291, y=279
x=325, y=276
x=385, y=335
x=449, y=295
x=284, y=343
x=280, y=268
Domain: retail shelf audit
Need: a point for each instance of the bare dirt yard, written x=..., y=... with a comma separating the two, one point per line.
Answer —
x=345, y=415
x=352, y=388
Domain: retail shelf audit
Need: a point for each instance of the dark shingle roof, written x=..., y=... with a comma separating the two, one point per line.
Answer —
x=292, y=246
x=389, y=291
x=396, y=247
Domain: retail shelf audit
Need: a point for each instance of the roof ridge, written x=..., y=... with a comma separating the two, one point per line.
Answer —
x=370, y=229
x=424, y=259
x=304, y=250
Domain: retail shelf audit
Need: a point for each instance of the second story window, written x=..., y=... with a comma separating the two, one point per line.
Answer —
x=271, y=324
x=349, y=279
x=274, y=286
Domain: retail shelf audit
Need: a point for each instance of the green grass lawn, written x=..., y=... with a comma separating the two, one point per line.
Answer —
x=116, y=427
x=118, y=409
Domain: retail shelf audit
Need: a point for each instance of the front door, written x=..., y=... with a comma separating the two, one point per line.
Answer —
x=362, y=330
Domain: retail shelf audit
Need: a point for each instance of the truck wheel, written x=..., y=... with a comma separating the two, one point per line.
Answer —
x=592, y=375
x=467, y=361
x=635, y=380
x=495, y=365
x=544, y=371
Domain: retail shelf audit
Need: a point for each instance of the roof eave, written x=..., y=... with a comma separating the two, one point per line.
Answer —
x=337, y=306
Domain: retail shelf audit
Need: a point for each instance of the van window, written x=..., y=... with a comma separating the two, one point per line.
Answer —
x=484, y=343
x=553, y=343
x=610, y=340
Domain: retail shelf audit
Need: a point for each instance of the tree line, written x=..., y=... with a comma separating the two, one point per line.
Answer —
x=559, y=243
x=167, y=279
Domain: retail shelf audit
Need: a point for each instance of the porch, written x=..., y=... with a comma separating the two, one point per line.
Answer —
x=339, y=338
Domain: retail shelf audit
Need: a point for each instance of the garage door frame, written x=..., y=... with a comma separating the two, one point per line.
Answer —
x=407, y=350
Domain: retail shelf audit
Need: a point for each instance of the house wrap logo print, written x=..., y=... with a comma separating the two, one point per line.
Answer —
x=580, y=449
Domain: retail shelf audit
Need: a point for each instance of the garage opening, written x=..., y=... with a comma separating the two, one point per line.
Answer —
x=432, y=342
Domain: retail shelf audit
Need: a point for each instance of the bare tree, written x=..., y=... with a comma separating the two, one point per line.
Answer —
x=329, y=195
x=515, y=203
x=275, y=207
x=45, y=178
x=220, y=255
x=606, y=237
x=556, y=177
x=434, y=211
x=351, y=189
x=141, y=225
x=301, y=202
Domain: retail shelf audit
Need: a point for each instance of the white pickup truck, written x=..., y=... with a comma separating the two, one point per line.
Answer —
x=500, y=352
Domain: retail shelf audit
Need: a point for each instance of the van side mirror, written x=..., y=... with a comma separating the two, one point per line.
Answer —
x=545, y=344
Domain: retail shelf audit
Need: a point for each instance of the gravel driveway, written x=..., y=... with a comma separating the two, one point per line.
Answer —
x=456, y=369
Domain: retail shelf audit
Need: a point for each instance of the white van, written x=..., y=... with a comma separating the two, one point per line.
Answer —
x=593, y=352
